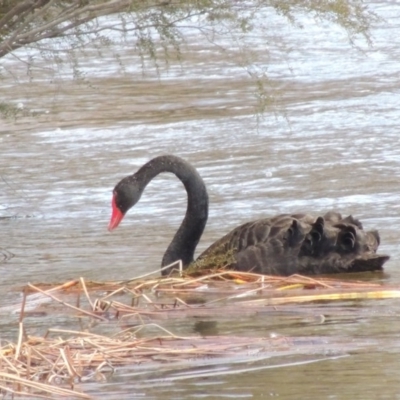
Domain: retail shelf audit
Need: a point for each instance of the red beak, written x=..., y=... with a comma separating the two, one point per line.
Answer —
x=116, y=216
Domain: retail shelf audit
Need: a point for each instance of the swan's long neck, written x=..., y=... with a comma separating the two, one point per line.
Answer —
x=187, y=237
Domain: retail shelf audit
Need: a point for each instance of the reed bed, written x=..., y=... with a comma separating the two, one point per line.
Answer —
x=57, y=363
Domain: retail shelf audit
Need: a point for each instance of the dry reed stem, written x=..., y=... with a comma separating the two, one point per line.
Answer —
x=37, y=386
x=82, y=282
x=386, y=294
x=46, y=293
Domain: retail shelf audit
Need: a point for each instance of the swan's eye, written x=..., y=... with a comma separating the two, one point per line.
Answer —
x=119, y=204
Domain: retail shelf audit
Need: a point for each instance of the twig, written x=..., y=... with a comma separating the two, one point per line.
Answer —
x=66, y=304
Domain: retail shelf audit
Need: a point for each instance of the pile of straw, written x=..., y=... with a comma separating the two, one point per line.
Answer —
x=58, y=362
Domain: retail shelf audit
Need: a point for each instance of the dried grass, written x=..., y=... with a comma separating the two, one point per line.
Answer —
x=56, y=364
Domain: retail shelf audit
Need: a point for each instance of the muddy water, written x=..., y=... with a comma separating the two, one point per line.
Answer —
x=337, y=148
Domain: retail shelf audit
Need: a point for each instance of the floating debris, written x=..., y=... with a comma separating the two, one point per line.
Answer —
x=59, y=361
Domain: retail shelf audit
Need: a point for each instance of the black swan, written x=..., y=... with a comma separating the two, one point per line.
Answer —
x=281, y=245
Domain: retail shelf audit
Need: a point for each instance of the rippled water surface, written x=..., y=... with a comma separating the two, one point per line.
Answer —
x=336, y=148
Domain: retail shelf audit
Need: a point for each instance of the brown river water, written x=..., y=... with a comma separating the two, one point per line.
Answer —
x=330, y=142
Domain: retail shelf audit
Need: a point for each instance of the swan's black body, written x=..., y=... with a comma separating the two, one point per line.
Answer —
x=281, y=245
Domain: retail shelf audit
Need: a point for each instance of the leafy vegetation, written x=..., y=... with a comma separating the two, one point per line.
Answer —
x=63, y=30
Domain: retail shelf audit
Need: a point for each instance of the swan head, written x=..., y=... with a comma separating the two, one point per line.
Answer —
x=125, y=195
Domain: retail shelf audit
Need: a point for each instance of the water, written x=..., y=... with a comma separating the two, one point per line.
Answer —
x=337, y=148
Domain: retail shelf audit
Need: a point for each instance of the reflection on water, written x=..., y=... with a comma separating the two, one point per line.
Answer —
x=338, y=150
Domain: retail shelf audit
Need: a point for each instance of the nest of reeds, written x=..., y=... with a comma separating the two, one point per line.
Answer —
x=56, y=363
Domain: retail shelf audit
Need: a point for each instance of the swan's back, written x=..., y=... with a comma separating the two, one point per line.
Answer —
x=299, y=243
